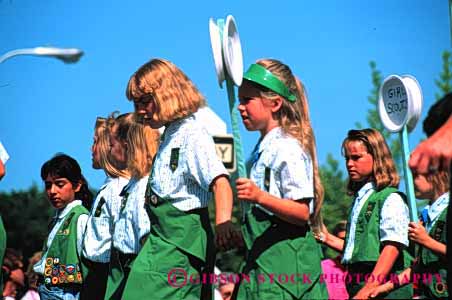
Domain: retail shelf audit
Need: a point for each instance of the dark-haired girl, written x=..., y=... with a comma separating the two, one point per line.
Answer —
x=60, y=267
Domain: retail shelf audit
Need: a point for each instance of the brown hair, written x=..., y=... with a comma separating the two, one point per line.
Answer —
x=294, y=119
x=439, y=181
x=102, y=133
x=142, y=143
x=174, y=93
x=384, y=170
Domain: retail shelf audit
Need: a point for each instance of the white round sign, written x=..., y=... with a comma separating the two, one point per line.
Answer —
x=400, y=102
x=216, y=31
x=232, y=51
x=415, y=100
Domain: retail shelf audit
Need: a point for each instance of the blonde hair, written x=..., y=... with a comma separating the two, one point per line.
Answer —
x=174, y=93
x=102, y=133
x=384, y=172
x=294, y=119
x=142, y=143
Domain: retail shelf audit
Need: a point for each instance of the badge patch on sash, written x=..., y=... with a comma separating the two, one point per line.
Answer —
x=124, y=201
x=174, y=159
x=56, y=273
x=439, y=230
x=267, y=179
x=99, y=207
x=64, y=230
x=440, y=288
x=369, y=210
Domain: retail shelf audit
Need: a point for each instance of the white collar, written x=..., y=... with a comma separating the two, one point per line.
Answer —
x=364, y=189
x=61, y=213
x=266, y=141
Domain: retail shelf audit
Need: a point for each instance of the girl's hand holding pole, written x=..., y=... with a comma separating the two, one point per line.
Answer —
x=248, y=191
x=417, y=233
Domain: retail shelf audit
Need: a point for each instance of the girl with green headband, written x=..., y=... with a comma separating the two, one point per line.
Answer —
x=284, y=189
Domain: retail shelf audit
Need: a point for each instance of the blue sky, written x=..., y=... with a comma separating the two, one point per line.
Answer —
x=47, y=106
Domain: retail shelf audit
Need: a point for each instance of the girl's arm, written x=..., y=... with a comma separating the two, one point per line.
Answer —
x=226, y=235
x=295, y=212
x=330, y=240
x=384, y=265
x=391, y=285
x=418, y=234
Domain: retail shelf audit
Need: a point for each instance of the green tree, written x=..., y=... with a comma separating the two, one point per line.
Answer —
x=26, y=215
x=373, y=118
x=336, y=202
x=444, y=82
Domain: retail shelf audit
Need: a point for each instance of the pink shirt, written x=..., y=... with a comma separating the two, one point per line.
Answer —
x=333, y=274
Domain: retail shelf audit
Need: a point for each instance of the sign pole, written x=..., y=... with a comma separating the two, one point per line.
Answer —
x=409, y=187
x=399, y=107
x=227, y=53
x=235, y=119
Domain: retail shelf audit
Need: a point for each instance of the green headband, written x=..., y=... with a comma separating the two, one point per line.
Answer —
x=260, y=75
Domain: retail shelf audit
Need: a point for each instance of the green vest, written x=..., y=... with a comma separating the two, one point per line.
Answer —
x=432, y=263
x=2, y=249
x=278, y=247
x=176, y=254
x=367, y=245
x=63, y=264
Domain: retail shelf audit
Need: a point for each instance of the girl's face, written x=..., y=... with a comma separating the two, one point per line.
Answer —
x=118, y=150
x=145, y=108
x=422, y=187
x=95, y=153
x=256, y=111
x=60, y=191
x=359, y=161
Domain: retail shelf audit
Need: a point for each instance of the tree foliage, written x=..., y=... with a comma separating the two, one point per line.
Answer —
x=373, y=118
x=25, y=215
x=444, y=82
x=336, y=201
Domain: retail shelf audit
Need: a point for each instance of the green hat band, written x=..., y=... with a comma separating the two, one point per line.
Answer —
x=260, y=75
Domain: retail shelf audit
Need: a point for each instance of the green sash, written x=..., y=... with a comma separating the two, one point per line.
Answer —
x=288, y=251
x=432, y=263
x=367, y=245
x=63, y=264
x=178, y=251
x=119, y=269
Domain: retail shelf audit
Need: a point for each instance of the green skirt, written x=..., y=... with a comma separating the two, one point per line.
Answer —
x=163, y=271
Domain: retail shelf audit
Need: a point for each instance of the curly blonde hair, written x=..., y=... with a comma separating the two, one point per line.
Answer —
x=174, y=93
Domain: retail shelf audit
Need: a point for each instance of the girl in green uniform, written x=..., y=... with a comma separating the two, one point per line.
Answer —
x=185, y=172
x=133, y=147
x=432, y=233
x=375, y=244
x=60, y=268
x=284, y=189
x=98, y=235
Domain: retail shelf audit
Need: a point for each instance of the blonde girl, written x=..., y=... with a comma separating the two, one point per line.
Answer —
x=133, y=147
x=185, y=173
x=98, y=236
x=284, y=187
